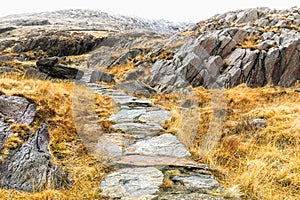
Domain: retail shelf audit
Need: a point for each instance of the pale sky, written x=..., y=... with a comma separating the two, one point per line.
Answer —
x=172, y=10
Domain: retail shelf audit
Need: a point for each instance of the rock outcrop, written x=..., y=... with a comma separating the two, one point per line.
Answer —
x=57, y=43
x=54, y=69
x=255, y=46
x=25, y=158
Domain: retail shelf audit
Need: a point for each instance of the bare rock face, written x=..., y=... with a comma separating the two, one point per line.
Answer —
x=100, y=76
x=225, y=55
x=54, y=69
x=58, y=43
x=27, y=165
x=17, y=109
x=28, y=168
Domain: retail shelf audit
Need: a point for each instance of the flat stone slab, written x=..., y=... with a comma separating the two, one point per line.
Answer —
x=192, y=196
x=131, y=101
x=112, y=145
x=198, y=182
x=157, y=161
x=132, y=183
x=127, y=115
x=138, y=129
x=155, y=117
x=164, y=145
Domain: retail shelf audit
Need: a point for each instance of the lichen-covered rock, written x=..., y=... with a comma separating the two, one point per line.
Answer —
x=28, y=168
x=26, y=165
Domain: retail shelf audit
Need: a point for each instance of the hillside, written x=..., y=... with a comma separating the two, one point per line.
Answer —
x=100, y=106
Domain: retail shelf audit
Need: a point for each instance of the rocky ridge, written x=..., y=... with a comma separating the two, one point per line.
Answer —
x=255, y=46
x=91, y=20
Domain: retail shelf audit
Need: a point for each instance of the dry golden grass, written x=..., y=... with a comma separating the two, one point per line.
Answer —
x=262, y=162
x=121, y=71
x=250, y=42
x=105, y=107
x=255, y=163
x=54, y=107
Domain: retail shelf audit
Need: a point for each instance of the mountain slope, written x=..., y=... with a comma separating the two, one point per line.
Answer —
x=92, y=20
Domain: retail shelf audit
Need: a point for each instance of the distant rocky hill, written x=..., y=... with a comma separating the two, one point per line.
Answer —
x=254, y=46
x=92, y=20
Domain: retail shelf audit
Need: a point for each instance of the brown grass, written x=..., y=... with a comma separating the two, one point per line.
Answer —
x=262, y=162
x=121, y=71
x=250, y=42
x=54, y=107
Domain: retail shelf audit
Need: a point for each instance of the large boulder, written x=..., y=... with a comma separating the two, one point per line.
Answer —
x=137, y=88
x=25, y=162
x=54, y=69
x=29, y=167
x=100, y=76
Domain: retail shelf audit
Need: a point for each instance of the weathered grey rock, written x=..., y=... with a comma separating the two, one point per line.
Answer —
x=164, y=145
x=132, y=183
x=18, y=47
x=6, y=29
x=100, y=76
x=247, y=16
x=137, y=129
x=198, y=183
x=5, y=132
x=58, y=43
x=16, y=109
x=112, y=145
x=51, y=67
x=156, y=161
x=258, y=123
x=28, y=168
x=131, y=101
x=192, y=196
x=137, y=88
x=272, y=66
x=124, y=58
x=128, y=115
x=155, y=117
x=35, y=22
x=290, y=62
x=34, y=73
x=297, y=90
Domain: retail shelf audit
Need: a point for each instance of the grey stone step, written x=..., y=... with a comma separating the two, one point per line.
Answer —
x=132, y=183
x=156, y=161
x=111, y=146
x=127, y=115
x=131, y=101
x=163, y=145
x=137, y=129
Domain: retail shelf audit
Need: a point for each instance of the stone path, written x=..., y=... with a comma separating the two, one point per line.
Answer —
x=148, y=163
